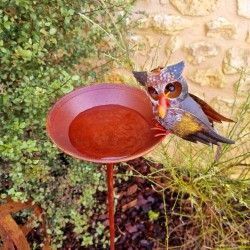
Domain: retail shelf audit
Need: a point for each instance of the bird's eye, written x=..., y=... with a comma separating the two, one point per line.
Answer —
x=153, y=93
x=170, y=87
x=173, y=90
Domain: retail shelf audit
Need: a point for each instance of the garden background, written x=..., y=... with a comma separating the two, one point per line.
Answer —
x=49, y=48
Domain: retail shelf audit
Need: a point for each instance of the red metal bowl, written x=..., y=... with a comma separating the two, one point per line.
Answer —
x=104, y=123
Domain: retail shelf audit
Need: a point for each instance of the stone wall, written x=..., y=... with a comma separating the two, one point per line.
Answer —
x=211, y=36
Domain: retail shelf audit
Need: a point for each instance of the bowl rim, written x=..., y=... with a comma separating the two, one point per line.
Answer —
x=80, y=91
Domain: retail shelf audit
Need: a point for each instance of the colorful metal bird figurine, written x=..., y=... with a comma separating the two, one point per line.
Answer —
x=177, y=111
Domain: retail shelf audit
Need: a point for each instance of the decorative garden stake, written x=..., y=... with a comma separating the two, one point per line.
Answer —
x=104, y=123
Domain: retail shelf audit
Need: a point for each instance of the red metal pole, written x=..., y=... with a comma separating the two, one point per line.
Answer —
x=110, y=183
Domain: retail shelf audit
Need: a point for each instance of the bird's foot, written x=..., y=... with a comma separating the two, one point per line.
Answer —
x=158, y=127
x=161, y=134
x=163, y=131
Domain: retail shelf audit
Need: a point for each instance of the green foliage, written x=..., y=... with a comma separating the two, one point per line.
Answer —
x=153, y=215
x=48, y=48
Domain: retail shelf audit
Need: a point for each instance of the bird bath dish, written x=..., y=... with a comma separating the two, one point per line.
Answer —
x=104, y=123
x=109, y=132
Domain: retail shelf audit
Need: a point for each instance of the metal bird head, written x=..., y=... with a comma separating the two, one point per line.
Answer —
x=165, y=86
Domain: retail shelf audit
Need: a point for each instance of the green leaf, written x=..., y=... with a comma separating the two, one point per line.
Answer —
x=11, y=191
x=153, y=215
x=71, y=12
x=66, y=89
x=6, y=25
x=75, y=77
x=67, y=20
x=52, y=31
x=53, y=40
x=26, y=54
x=33, y=16
x=3, y=196
x=3, y=50
x=43, y=31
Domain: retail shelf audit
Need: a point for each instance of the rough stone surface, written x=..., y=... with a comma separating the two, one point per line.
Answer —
x=208, y=77
x=144, y=23
x=164, y=2
x=248, y=36
x=198, y=52
x=221, y=27
x=222, y=104
x=195, y=7
x=166, y=24
x=244, y=86
x=140, y=43
x=236, y=58
x=174, y=43
x=243, y=8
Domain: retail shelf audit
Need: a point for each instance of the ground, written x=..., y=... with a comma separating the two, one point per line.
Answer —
x=140, y=201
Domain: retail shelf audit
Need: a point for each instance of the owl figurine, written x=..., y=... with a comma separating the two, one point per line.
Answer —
x=177, y=111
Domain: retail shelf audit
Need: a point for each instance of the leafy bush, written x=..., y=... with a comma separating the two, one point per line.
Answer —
x=46, y=50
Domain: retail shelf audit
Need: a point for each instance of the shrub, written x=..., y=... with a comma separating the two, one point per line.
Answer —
x=46, y=50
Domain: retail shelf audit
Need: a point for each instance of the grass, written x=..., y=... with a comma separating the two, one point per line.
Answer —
x=216, y=214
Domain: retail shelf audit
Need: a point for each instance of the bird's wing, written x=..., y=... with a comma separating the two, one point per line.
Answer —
x=187, y=126
x=211, y=114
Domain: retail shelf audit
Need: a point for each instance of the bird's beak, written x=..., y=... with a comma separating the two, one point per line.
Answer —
x=162, y=107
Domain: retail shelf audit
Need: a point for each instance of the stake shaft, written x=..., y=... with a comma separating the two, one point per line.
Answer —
x=110, y=183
